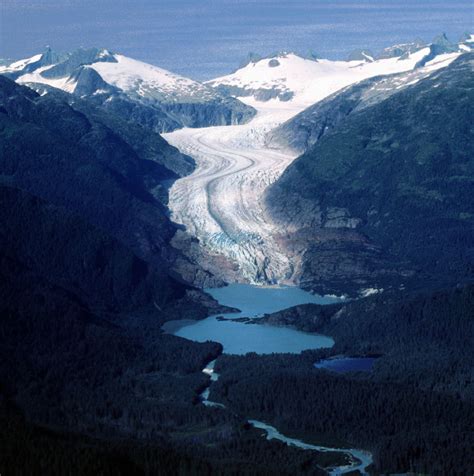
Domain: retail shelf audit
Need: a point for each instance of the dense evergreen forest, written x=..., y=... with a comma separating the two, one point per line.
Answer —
x=97, y=387
x=405, y=427
x=31, y=450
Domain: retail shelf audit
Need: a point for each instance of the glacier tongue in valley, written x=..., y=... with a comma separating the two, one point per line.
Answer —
x=221, y=203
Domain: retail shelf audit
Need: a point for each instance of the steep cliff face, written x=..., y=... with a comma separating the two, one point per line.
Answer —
x=220, y=112
x=385, y=196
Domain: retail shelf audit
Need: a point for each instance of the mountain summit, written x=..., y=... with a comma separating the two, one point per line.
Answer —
x=152, y=95
x=292, y=78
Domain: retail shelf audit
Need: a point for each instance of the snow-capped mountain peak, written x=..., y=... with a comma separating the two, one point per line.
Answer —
x=146, y=80
x=133, y=77
x=154, y=96
x=301, y=81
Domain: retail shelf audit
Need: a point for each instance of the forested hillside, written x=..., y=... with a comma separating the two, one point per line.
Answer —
x=385, y=197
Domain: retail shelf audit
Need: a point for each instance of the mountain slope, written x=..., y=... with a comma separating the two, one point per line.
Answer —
x=147, y=144
x=386, y=196
x=68, y=252
x=113, y=175
x=81, y=350
x=45, y=141
x=306, y=128
x=86, y=283
x=138, y=91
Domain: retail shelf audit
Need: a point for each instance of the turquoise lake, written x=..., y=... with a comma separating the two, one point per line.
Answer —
x=253, y=301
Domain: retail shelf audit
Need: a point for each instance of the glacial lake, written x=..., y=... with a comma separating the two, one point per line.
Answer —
x=253, y=302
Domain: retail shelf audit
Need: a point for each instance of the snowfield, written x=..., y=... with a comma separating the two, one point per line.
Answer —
x=308, y=81
x=65, y=83
x=136, y=78
x=221, y=202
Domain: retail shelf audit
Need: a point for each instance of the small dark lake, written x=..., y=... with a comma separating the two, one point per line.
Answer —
x=347, y=364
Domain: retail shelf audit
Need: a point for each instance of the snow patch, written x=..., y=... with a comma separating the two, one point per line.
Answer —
x=149, y=81
x=370, y=291
x=66, y=83
x=19, y=65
